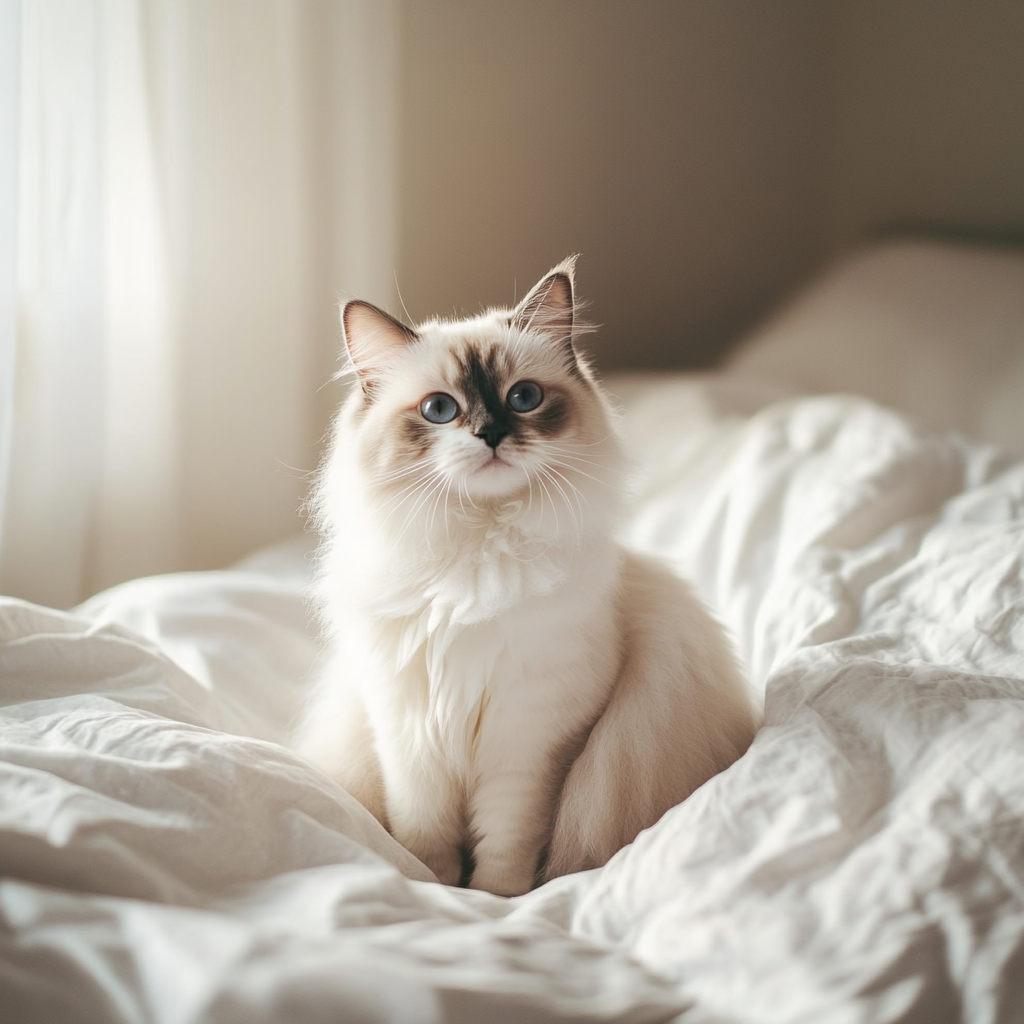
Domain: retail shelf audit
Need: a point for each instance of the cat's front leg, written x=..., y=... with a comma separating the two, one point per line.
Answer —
x=511, y=814
x=423, y=809
x=517, y=779
x=535, y=720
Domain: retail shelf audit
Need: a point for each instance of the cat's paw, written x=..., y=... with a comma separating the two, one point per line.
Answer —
x=512, y=882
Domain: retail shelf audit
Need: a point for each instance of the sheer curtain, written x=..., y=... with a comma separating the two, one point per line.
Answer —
x=9, y=67
x=196, y=183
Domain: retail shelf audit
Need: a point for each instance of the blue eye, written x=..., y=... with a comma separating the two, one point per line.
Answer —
x=439, y=408
x=525, y=396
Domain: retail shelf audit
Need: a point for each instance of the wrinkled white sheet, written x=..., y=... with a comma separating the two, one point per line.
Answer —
x=165, y=859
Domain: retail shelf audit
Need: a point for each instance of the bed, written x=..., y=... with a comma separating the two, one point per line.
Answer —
x=847, y=493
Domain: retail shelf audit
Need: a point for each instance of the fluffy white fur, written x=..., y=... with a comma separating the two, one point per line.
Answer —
x=507, y=688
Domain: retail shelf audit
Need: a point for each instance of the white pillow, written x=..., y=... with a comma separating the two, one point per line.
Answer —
x=933, y=329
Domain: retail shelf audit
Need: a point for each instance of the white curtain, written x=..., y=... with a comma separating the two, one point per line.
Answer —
x=9, y=74
x=196, y=183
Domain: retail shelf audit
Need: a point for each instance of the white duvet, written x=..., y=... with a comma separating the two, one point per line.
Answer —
x=166, y=859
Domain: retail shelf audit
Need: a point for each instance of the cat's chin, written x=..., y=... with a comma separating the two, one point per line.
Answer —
x=495, y=479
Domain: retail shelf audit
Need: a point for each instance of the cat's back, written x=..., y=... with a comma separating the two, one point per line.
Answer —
x=684, y=653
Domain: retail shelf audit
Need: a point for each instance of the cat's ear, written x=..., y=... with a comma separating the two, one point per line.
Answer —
x=548, y=308
x=373, y=338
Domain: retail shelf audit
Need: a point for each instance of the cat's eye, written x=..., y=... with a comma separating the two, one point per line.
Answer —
x=439, y=408
x=525, y=396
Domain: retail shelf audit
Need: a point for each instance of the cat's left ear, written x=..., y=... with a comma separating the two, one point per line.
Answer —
x=373, y=338
x=548, y=308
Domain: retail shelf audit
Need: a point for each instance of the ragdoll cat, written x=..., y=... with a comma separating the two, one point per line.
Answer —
x=504, y=680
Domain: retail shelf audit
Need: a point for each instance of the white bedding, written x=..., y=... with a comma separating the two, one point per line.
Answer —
x=164, y=858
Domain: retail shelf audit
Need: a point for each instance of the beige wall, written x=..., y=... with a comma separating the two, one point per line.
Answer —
x=677, y=146
x=927, y=117
x=703, y=156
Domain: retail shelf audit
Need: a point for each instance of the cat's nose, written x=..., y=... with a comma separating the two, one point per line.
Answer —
x=492, y=435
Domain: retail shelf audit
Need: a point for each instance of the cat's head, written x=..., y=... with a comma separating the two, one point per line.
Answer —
x=486, y=410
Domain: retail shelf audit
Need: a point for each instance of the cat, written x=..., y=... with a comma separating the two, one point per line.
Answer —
x=506, y=687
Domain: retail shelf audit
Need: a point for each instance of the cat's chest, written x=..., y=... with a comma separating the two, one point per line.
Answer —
x=439, y=657
x=473, y=580
x=475, y=592
x=457, y=645
x=441, y=677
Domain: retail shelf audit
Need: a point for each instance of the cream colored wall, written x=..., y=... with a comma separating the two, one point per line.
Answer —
x=703, y=156
x=283, y=171
x=677, y=146
x=276, y=134
x=927, y=117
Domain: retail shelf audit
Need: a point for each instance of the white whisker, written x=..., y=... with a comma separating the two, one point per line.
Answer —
x=430, y=520
x=579, y=495
x=574, y=469
x=447, y=492
x=593, y=444
x=565, y=497
x=397, y=474
x=398, y=495
x=546, y=493
x=436, y=481
x=404, y=493
x=575, y=456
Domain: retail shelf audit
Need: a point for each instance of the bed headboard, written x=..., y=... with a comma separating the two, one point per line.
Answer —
x=934, y=329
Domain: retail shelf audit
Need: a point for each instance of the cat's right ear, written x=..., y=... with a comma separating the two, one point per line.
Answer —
x=373, y=338
x=548, y=307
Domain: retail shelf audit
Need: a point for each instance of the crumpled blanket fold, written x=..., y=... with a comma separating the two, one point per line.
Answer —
x=164, y=857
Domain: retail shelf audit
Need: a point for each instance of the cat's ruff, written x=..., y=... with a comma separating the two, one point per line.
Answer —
x=502, y=676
